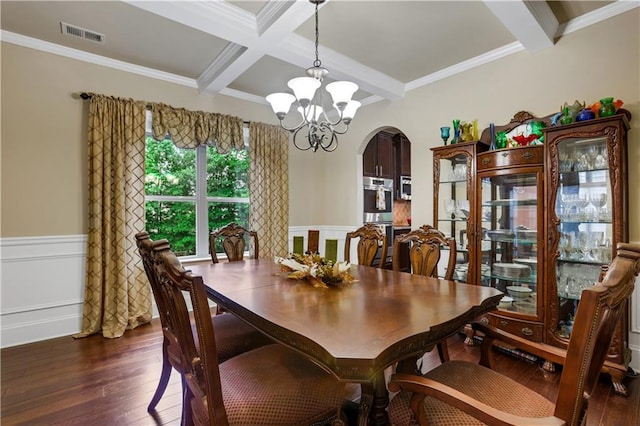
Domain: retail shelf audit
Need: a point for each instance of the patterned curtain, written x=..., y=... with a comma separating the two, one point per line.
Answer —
x=117, y=294
x=269, y=188
x=188, y=129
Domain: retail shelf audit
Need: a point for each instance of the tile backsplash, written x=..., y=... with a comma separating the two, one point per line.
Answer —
x=401, y=211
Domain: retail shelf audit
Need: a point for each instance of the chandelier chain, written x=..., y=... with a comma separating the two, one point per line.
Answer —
x=317, y=62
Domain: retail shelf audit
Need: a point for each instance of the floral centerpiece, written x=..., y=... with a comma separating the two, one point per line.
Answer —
x=317, y=270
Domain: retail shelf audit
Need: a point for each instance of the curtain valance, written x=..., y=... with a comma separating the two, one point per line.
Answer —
x=189, y=129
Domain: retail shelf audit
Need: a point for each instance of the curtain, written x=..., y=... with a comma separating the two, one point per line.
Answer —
x=117, y=294
x=269, y=188
x=189, y=129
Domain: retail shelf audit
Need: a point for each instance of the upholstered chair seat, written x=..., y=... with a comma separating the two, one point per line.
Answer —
x=482, y=384
x=290, y=389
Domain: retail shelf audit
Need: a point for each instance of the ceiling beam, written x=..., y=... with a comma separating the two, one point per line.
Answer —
x=271, y=32
x=531, y=22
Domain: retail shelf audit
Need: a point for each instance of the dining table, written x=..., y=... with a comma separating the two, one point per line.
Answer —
x=354, y=331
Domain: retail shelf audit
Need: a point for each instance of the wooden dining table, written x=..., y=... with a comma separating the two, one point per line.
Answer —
x=354, y=331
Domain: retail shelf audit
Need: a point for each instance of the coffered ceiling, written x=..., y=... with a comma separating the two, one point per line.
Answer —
x=248, y=49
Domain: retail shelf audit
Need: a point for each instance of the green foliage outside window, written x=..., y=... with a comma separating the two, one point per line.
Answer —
x=171, y=172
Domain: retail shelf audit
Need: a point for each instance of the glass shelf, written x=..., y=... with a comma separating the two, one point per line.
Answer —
x=454, y=181
x=509, y=202
x=581, y=261
x=578, y=222
x=524, y=280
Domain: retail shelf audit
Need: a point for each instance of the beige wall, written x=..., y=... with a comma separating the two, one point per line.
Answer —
x=44, y=155
x=43, y=127
x=602, y=60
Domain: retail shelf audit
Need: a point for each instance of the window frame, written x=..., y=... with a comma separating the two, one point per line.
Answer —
x=200, y=199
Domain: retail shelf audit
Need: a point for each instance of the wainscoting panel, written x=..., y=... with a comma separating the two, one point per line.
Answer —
x=42, y=287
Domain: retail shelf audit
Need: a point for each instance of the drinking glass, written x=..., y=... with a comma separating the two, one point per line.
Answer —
x=586, y=245
x=445, y=134
x=581, y=202
x=598, y=201
x=450, y=208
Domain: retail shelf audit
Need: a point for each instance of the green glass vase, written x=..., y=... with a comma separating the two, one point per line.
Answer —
x=607, y=108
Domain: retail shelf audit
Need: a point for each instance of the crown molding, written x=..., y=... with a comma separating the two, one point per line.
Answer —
x=79, y=55
x=596, y=16
x=485, y=58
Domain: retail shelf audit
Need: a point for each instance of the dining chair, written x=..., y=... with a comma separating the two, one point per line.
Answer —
x=313, y=241
x=270, y=385
x=371, y=241
x=425, y=251
x=234, y=335
x=460, y=392
x=234, y=240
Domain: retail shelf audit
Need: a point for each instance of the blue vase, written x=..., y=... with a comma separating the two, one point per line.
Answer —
x=585, y=114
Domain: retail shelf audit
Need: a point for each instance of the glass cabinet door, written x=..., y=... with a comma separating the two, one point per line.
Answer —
x=585, y=216
x=511, y=219
x=453, y=208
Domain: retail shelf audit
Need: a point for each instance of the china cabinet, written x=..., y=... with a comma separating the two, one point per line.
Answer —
x=587, y=215
x=511, y=244
x=454, y=203
x=539, y=222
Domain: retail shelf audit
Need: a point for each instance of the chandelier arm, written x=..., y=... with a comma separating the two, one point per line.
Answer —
x=295, y=128
x=332, y=145
x=337, y=132
x=328, y=127
x=295, y=140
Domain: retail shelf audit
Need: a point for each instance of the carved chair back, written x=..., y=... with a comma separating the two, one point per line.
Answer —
x=425, y=248
x=371, y=240
x=234, y=240
x=146, y=248
x=203, y=374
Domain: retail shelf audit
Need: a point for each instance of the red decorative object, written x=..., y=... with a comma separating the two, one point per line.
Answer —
x=525, y=140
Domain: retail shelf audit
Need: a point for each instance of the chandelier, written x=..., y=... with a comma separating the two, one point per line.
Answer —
x=321, y=131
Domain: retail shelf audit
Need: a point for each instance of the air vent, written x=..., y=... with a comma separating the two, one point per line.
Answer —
x=75, y=31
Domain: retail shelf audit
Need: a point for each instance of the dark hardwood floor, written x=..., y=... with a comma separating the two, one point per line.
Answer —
x=110, y=382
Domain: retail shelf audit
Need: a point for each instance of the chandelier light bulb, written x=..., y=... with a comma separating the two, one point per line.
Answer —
x=281, y=103
x=304, y=88
x=350, y=111
x=341, y=92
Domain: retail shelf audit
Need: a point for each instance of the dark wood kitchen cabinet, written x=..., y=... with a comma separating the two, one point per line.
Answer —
x=378, y=158
x=403, y=154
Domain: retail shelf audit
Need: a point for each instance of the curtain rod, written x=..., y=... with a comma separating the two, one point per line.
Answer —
x=84, y=96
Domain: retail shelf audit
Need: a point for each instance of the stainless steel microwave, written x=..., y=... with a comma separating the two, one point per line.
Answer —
x=405, y=187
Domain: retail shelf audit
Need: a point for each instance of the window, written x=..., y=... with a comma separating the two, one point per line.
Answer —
x=189, y=192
